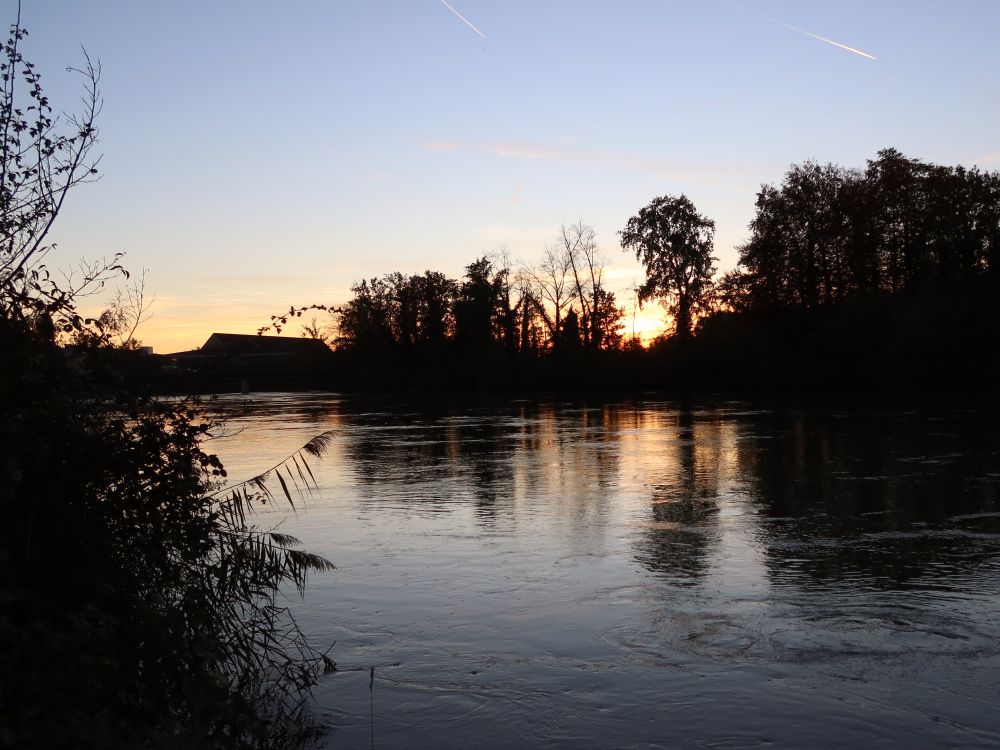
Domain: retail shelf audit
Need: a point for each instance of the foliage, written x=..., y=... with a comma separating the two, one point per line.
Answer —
x=674, y=242
x=397, y=311
x=138, y=606
x=157, y=603
x=482, y=308
x=493, y=308
x=42, y=157
x=827, y=234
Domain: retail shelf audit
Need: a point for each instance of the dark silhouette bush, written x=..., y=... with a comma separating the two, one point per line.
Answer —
x=138, y=606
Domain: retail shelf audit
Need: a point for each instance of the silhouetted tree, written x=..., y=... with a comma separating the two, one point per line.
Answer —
x=422, y=309
x=570, y=335
x=435, y=294
x=505, y=327
x=605, y=321
x=797, y=250
x=578, y=244
x=313, y=330
x=828, y=233
x=398, y=312
x=481, y=312
x=530, y=326
x=674, y=242
x=366, y=322
x=554, y=290
x=600, y=317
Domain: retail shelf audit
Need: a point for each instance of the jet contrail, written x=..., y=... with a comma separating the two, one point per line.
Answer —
x=809, y=33
x=465, y=20
x=824, y=39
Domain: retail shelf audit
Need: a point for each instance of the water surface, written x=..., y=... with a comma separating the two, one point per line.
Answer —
x=643, y=574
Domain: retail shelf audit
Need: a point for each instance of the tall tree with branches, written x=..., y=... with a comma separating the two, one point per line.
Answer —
x=555, y=290
x=674, y=242
x=600, y=317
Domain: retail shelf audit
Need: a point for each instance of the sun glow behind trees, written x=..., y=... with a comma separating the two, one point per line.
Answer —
x=561, y=115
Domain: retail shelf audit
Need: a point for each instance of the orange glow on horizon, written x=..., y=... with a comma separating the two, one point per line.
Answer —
x=170, y=330
x=649, y=323
x=176, y=326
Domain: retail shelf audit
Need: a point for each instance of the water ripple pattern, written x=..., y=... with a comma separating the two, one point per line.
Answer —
x=644, y=574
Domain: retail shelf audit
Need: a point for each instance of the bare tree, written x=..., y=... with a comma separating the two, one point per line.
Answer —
x=600, y=316
x=579, y=248
x=129, y=309
x=528, y=311
x=552, y=277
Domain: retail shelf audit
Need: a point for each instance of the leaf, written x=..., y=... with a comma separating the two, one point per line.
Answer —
x=306, y=464
x=299, y=470
x=284, y=488
x=319, y=444
x=309, y=561
x=261, y=484
x=283, y=540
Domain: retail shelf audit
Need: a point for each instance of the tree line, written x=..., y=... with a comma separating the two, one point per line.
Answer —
x=559, y=304
x=900, y=255
x=880, y=278
x=827, y=233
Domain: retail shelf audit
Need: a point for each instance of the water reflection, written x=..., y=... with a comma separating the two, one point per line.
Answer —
x=881, y=498
x=636, y=573
x=684, y=500
x=878, y=499
x=884, y=499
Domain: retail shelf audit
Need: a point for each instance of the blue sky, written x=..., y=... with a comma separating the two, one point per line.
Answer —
x=263, y=154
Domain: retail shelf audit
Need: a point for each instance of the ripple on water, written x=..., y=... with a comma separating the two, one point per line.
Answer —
x=775, y=631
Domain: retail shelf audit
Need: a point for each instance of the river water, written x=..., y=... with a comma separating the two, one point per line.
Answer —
x=644, y=573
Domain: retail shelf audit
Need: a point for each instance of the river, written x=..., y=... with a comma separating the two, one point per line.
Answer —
x=643, y=573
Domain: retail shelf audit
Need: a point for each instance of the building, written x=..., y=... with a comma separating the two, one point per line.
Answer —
x=236, y=360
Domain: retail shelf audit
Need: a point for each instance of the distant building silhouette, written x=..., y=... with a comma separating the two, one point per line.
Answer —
x=238, y=358
x=251, y=345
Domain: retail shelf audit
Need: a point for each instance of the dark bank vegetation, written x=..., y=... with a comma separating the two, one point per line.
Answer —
x=878, y=278
x=139, y=606
x=499, y=326
x=884, y=277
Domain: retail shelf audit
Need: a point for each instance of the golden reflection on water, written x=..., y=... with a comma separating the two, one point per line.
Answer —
x=518, y=564
x=693, y=493
x=661, y=478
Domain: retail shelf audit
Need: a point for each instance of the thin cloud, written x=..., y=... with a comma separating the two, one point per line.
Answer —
x=499, y=148
x=465, y=20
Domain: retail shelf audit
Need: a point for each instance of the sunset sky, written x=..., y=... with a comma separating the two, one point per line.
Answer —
x=258, y=155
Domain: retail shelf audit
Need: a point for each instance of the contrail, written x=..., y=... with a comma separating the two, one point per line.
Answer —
x=821, y=38
x=465, y=20
x=807, y=33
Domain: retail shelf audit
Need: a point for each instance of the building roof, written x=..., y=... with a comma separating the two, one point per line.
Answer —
x=240, y=343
